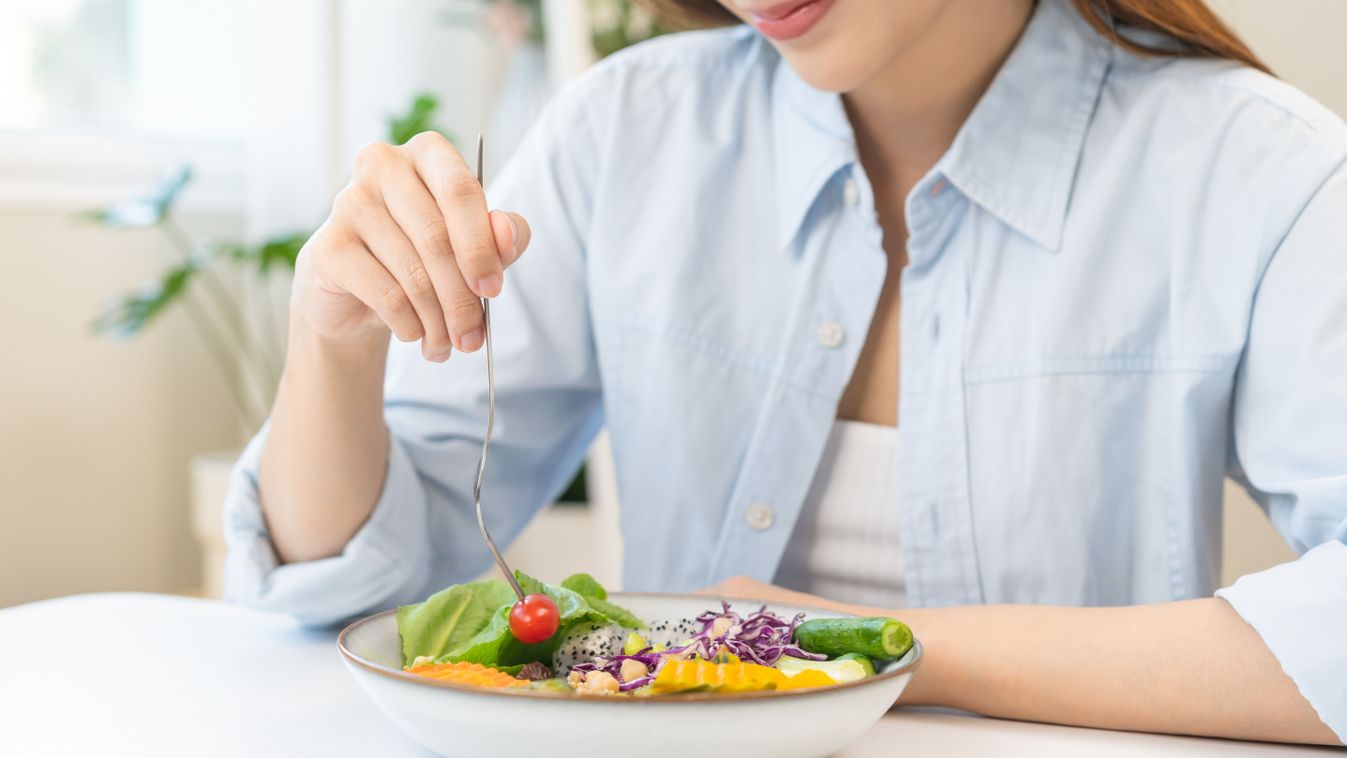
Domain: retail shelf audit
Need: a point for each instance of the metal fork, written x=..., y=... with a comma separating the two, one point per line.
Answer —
x=490, y=422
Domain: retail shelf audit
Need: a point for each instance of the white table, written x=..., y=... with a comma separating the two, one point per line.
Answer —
x=149, y=675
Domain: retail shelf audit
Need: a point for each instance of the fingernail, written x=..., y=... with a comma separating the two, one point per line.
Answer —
x=514, y=233
x=488, y=286
x=440, y=357
x=472, y=340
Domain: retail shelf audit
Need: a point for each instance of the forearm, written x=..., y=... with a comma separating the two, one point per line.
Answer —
x=326, y=453
x=1192, y=667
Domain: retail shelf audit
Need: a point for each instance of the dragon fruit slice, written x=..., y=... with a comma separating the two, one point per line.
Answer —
x=673, y=633
x=585, y=642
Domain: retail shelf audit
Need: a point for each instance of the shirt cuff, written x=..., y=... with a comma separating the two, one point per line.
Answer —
x=1300, y=611
x=386, y=562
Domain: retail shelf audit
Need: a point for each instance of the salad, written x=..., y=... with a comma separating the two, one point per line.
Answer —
x=464, y=634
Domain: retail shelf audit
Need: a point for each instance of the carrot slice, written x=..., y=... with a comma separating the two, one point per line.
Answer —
x=463, y=672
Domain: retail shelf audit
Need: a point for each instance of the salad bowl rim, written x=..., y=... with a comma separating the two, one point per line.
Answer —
x=911, y=661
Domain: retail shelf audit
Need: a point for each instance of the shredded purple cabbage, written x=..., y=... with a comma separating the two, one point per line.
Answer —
x=635, y=683
x=762, y=638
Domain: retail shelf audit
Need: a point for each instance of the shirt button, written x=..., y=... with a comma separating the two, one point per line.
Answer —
x=759, y=516
x=850, y=192
x=830, y=334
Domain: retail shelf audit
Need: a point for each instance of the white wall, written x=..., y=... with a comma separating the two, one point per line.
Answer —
x=95, y=435
x=1301, y=40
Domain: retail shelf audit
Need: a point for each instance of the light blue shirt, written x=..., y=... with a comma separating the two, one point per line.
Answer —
x=1128, y=278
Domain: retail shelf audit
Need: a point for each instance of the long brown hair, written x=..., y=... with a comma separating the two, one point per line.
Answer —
x=1198, y=30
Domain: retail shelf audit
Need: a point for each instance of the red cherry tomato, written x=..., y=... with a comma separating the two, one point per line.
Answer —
x=534, y=618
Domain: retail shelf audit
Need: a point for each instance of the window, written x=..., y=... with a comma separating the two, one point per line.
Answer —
x=159, y=69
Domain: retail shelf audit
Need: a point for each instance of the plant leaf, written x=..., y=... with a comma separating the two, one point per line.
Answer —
x=417, y=119
x=281, y=251
x=130, y=315
x=148, y=210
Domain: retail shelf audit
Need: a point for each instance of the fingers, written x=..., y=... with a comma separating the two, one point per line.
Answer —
x=355, y=269
x=463, y=204
x=512, y=235
x=413, y=209
x=387, y=241
x=421, y=214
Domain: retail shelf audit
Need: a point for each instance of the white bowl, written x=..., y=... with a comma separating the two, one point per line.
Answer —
x=458, y=720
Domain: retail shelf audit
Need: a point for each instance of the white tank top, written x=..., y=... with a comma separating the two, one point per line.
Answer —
x=845, y=546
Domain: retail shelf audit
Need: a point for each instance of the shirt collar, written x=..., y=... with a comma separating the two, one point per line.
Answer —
x=812, y=142
x=1015, y=156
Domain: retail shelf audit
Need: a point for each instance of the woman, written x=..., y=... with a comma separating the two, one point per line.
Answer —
x=1087, y=253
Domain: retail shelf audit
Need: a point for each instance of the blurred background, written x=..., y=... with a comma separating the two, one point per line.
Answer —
x=161, y=163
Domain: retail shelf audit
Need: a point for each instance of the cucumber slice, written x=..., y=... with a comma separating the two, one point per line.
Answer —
x=879, y=638
x=866, y=663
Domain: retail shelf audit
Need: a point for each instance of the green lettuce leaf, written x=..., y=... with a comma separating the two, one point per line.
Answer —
x=450, y=618
x=471, y=622
x=617, y=614
x=588, y=587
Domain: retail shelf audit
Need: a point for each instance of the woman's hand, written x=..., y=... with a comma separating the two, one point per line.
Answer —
x=1186, y=667
x=409, y=246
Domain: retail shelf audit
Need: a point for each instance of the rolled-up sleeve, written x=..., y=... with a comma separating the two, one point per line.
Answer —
x=388, y=558
x=422, y=532
x=1290, y=443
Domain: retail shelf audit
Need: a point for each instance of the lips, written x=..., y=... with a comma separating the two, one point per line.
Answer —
x=780, y=10
x=789, y=20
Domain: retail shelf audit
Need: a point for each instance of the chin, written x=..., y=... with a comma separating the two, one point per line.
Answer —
x=853, y=40
x=832, y=70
